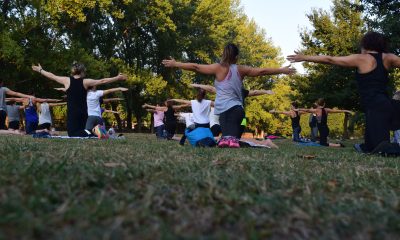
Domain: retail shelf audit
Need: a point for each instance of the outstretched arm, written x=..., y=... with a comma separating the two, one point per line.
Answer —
x=92, y=83
x=209, y=69
x=42, y=100
x=329, y=110
x=51, y=76
x=344, y=61
x=254, y=93
x=187, y=102
x=57, y=104
x=17, y=94
x=112, y=100
x=179, y=107
x=394, y=61
x=108, y=91
x=111, y=111
x=281, y=112
x=61, y=89
x=306, y=110
x=15, y=99
x=151, y=107
x=207, y=88
x=246, y=71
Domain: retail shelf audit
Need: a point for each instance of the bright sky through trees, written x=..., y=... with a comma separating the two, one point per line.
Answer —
x=282, y=20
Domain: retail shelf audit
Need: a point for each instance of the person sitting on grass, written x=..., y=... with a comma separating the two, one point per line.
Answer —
x=322, y=121
x=382, y=114
x=31, y=115
x=229, y=83
x=201, y=109
x=214, y=119
x=168, y=110
x=295, y=119
x=3, y=109
x=13, y=114
x=45, y=120
x=95, y=122
x=76, y=88
x=312, y=123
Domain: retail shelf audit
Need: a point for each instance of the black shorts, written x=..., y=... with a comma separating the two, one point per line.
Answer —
x=14, y=125
x=93, y=121
x=44, y=126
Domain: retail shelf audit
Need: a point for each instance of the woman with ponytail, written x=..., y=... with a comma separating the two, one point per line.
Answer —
x=228, y=83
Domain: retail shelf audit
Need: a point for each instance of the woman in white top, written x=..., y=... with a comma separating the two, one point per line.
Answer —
x=94, y=109
x=201, y=109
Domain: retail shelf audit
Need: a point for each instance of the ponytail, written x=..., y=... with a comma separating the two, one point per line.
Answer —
x=230, y=54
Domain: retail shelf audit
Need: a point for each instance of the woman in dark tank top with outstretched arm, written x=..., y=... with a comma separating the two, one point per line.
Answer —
x=372, y=64
x=76, y=88
x=321, y=113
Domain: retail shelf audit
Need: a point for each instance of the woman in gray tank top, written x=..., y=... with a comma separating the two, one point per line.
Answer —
x=228, y=83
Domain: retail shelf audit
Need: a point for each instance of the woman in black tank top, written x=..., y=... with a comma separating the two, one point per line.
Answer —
x=382, y=114
x=76, y=88
x=295, y=119
x=322, y=121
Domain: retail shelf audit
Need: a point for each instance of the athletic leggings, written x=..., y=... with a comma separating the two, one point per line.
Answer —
x=323, y=135
x=377, y=126
x=3, y=115
x=230, y=121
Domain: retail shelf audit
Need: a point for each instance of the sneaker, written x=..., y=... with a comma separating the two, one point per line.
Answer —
x=223, y=143
x=234, y=143
x=100, y=132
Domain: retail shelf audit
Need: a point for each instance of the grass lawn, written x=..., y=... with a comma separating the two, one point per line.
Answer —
x=141, y=188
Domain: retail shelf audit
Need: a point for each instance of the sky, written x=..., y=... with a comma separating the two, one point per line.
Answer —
x=283, y=19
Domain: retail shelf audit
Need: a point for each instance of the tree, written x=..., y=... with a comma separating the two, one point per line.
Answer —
x=384, y=16
x=336, y=34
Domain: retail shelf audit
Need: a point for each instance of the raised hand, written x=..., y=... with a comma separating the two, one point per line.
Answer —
x=122, y=77
x=270, y=92
x=288, y=70
x=170, y=63
x=297, y=57
x=37, y=68
x=122, y=89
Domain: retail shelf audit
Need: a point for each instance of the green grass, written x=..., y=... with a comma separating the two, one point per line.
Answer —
x=141, y=188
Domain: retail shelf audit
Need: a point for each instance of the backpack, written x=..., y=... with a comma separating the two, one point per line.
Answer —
x=200, y=137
